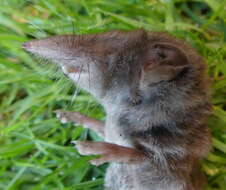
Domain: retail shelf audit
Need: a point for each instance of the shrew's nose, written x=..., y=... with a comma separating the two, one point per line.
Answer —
x=26, y=45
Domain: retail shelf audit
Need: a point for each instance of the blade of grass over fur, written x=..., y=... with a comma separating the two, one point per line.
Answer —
x=35, y=149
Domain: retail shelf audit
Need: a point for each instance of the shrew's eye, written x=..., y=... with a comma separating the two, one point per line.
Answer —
x=161, y=54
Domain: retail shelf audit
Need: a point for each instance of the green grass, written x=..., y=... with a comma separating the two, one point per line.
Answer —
x=35, y=149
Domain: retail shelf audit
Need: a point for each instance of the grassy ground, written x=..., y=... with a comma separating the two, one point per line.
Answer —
x=35, y=149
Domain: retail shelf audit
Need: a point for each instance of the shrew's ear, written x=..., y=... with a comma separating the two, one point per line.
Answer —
x=164, y=62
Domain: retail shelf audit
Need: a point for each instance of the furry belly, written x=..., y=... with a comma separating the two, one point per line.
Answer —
x=118, y=178
x=139, y=177
x=113, y=134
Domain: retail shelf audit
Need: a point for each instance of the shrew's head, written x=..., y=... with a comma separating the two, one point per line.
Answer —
x=123, y=66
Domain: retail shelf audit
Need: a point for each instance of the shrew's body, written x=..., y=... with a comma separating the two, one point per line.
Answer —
x=155, y=94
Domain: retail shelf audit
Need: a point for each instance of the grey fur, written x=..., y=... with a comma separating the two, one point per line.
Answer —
x=160, y=111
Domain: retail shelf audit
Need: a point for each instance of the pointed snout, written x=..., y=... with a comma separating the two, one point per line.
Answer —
x=26, y=45
x=46, y=48
x=31, y=46
x=34, y=45
x=61, y=49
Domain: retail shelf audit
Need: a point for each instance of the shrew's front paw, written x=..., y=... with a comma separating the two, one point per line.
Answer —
x=105, y=150
x=91, y=148
x=67, y=116
x=108, y=152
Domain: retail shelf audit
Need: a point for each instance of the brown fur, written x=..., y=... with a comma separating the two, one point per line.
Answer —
x=155, y=93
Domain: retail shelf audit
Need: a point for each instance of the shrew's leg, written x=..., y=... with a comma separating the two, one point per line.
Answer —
x=109, y=152
x=80, y=119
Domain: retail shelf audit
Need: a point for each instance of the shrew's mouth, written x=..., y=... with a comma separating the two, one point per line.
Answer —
x=74, y=69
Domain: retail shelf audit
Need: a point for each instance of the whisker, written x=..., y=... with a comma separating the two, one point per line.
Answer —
x=77, y=86
x=88, y=66
x=89, y=79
